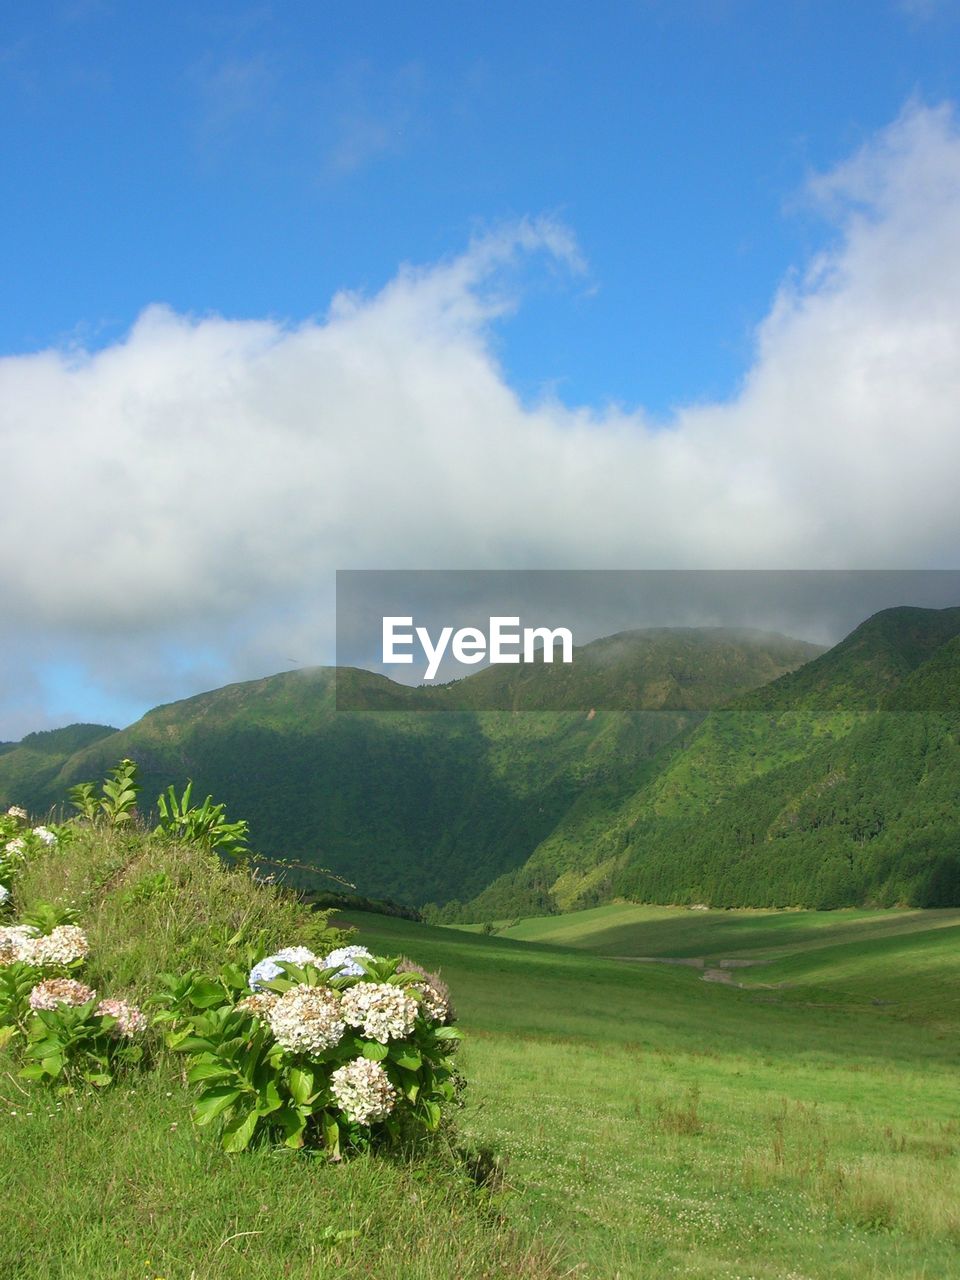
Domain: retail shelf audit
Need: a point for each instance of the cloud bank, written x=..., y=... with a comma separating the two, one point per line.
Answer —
x=176, y=503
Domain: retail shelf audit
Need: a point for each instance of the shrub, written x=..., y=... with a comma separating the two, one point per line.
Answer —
x=342, y=1053
x=56, y=1022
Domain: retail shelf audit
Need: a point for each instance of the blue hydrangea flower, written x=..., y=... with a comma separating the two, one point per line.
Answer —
x=267, y=969
x=344, y=960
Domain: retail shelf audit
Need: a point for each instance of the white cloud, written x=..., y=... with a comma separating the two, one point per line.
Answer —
x=194, y=485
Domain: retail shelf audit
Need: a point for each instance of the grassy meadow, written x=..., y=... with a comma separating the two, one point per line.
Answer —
x=654, y=1124
x=623, y=1118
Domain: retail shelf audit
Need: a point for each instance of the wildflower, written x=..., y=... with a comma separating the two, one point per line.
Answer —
x=17, y=846
x=433, y=993
x=344, y=960
x=16, y=812
x=45, y=834
x=363, y=1091
x=65, y=945
x=267, y=969
x=383, y=1011
x=129, y=1018
x=54, y=991
x=259, y=1004
x=307, y=1019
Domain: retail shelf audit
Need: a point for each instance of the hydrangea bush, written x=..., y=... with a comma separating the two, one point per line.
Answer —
x=59, y=1026
x=18, y=840
x=338, y=1052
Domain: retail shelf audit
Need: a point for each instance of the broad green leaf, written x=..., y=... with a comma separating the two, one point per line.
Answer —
x=269, y=1099
x=214, y=1102
x=374, y=1051
x=237, y=1134
x=293, y=1123
x=302, y=1084
x=208, y=1071
x=204, y=994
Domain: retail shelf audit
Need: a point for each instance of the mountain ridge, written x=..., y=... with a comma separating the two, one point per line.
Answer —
x=421, y=803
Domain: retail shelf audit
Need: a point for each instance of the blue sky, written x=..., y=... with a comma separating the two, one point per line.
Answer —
x=253, y=160
x=647, y=184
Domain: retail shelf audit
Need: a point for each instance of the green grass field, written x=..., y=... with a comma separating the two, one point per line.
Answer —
x=648, y=1124
x=658, y=1125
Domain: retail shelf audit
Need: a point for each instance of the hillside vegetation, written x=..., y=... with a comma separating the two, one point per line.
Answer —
x=835, y=785
x=122, y=1181
x=435, y=798
x=687, y=766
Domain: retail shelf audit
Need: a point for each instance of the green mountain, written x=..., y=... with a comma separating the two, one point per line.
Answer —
x=434, y=795
x=837, y=784
x=31, y=768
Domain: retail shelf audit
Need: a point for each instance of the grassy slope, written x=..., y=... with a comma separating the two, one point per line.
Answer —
x=123, y=1184
x=653, y=1125
x=630, y=929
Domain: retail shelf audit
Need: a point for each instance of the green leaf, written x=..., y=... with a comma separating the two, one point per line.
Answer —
x=100, y=1078
x=204, y=994
x=331, y=1135
x=214, y=1102
x=407, y=1058
x=237, y=1134
x=302, y=1084
x=208, y=1071
x=292, y=1122
x=269, y=1099
x=374, y=1051
x=191, y=1044
x=432, y=1112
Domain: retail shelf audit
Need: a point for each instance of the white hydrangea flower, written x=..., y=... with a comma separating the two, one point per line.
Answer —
x=12, y=940
x=66, y=944
x=17, y=846
x=259, y=1004
x=4, y=894
x=267, y=969
x=433, y=1002
x=45, y=834
x=16, y=812
x=47, y=995
x=307, y=1019
x=363, y=1091
x=129, y=1018
x=344, y=959
x=383, y=1011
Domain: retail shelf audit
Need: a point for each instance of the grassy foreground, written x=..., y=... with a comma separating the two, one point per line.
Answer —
x=122, y=1183
x=649, y=1124
x=658, y=1125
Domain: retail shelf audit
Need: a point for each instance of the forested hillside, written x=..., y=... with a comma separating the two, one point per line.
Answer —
x=413, y=802
x=838, y=784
